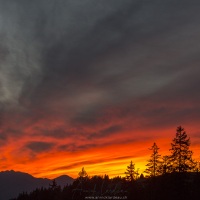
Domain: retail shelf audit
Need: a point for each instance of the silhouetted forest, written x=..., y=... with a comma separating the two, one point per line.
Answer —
x=170, y=177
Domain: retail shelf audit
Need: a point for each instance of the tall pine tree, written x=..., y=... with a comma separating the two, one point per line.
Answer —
x=131, y=174
x=181, y=156
x=165, y=165
x=154, y=161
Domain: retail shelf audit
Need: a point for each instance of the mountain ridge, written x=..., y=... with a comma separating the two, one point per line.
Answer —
x=14, y=182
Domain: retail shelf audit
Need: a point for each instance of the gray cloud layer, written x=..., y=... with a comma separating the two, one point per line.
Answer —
x=39, y=146
x=76, y=59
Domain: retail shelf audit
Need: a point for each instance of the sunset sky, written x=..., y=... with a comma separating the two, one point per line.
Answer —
x=94, y=83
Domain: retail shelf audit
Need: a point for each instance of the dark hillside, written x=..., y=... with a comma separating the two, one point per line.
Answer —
x=173, y=186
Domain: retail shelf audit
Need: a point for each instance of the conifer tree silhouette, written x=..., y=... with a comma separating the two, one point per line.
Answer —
x=131, y=174
x=181, y=156
x=165, y=165
x=154, y=161
x=83, y=177
x=53, y=185
x=82, y=173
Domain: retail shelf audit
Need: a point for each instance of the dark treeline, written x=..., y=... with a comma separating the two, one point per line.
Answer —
x=169, y=177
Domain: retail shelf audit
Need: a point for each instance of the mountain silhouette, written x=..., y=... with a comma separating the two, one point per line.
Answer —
x=12, y=183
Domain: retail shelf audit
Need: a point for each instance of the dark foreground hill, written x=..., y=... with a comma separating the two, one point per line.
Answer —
x=12, y=183
x=174, y=186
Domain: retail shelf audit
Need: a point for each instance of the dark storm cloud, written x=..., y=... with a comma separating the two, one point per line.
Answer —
x=3, y=138
x=106, y=132
x=76, y=59
x=73, y=147
x=37, y=147
x=52, y=132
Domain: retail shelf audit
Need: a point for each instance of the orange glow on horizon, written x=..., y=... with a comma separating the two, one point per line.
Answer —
x=110, y=159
